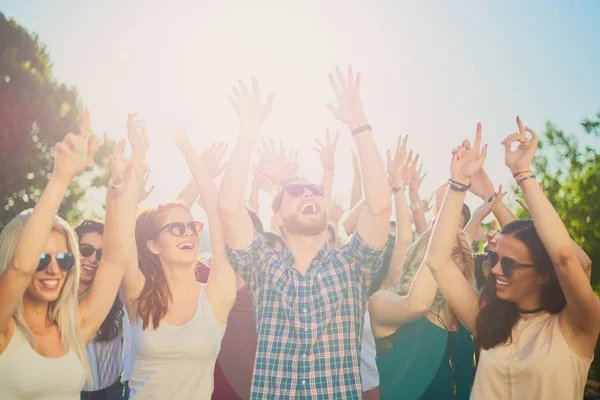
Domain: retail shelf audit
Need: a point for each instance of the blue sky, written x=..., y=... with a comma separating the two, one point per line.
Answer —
x=430, y=69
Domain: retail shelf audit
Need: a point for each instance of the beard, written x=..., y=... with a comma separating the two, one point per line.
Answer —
x=295, y=224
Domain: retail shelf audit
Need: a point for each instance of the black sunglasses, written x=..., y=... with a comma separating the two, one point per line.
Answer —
x=87, y=250
x=179, y=228
x=65, y=261
x=297, y=189
x=508, y=265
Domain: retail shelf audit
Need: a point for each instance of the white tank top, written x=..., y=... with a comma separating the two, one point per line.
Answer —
x=368, y=366
x=25, y=374
x=538, y=364
x=176, y=362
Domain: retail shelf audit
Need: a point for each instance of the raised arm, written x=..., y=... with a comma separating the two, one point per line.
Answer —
x=351, y=221
x=237, y=225
x=120, y=252
x=71, y=157
x=413, y=178
x=582, y=312
x=482, y=212
x=395, y=167
x=460, y=294
x=482, y=187
x=374, y=222
x=122, y=199
x=221, y=287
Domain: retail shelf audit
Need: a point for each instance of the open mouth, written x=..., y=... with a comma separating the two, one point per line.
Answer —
x=502, y=283
x=309, y=209
x=88, y=268
x=49, y=284
x=186, y=246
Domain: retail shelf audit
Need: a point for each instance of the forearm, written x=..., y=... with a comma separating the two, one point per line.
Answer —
x=38, y=226
x=445, y=228
x=253, y=200
x=549, y=226
x=375, y=182
x=189, y=195
x=231, y=195
x=418, y=214
x=403, y=234
x=473, y=226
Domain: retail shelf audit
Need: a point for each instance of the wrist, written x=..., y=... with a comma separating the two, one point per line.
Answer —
x=396, y=181
x=461, y=180
x=413, y=196
x=358, y=123
x=62, y=181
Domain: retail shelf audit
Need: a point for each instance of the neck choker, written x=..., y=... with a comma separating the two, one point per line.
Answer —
x=530, y=311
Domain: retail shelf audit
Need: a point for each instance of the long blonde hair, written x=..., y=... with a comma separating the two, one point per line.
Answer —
x=64, y=310
x=462, y=255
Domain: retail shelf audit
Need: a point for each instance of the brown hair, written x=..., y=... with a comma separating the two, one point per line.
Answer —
x=154, y=297
x=497, y=317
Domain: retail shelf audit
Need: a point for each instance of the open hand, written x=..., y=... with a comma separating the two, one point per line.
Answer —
x=144, y=194
x=520, y=159
x=327, y=151
x=490, y=204
x=397, y=164
x=274, y=165
x=121, y=169
x=350, y=110
x=467, y=160
x=250, y=110
x=481, y=185
x=212, y=158
x=74, y=153
x=136, y=133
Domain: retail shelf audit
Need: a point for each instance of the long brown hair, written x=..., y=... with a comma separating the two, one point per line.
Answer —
x=154, y=298
x=497, y=317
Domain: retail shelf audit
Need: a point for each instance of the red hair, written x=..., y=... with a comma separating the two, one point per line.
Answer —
x=153, y=302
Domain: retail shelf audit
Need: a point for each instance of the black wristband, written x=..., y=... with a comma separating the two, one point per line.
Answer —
x=457, y=186
x=360, y=129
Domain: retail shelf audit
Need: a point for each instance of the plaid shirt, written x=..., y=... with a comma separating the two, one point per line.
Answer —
x=309, y=327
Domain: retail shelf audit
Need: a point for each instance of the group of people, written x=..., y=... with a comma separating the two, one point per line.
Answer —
x=123, y=308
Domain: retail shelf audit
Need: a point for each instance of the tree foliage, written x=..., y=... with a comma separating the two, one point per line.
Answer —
x=36, y=111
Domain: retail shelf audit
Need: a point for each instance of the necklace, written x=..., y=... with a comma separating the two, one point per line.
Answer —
x=537, y=310
x=450, y=361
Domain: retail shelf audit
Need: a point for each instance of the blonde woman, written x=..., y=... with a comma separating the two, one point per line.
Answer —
x=43, y=329
x=423, y=351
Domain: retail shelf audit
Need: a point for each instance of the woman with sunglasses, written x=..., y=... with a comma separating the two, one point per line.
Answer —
x=177, y=323
x=43, y=327
x=538, y=319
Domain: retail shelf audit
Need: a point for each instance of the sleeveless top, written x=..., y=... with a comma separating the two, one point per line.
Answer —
x=537, y=364
x=417, y=365
x=368, y=354
x=25, y=374
x=176, y=362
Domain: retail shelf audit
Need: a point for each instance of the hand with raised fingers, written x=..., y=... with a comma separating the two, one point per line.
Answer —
x=121, y=170
x=481, y=185
x=144, y=194
x=213, y=157
x=327, y=151
x=397, y=164
x=492, y=239
x=490, y=204
x=337, y=210
x=248, y=106
x=350, y=110
x=291, y=164
x=413, y=177
x=136, y=133
x=467, y=159
x=75, y=153
x=520, y=159
x=272, y=164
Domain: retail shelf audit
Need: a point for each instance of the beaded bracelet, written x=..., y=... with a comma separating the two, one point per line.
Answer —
x=360, y=129
x=457, y=186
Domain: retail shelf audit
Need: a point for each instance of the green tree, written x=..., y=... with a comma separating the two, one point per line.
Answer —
x=569, y=172
x=36, y=111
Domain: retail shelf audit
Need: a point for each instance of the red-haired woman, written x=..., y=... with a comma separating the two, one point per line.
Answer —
x=176, y=323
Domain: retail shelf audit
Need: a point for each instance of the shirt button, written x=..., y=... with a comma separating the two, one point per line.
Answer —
x=304, y=310
x=304, y=355
x=305, y=329
x=303, y=382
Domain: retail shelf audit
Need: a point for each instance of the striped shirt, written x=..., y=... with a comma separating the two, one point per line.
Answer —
x=106, y=363
x=309, y=326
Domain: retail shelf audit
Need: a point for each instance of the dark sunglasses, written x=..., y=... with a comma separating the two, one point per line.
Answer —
x=65, y=261
x=297, y=189
x=179, y=228
x=87, y=250
x=508, y=265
